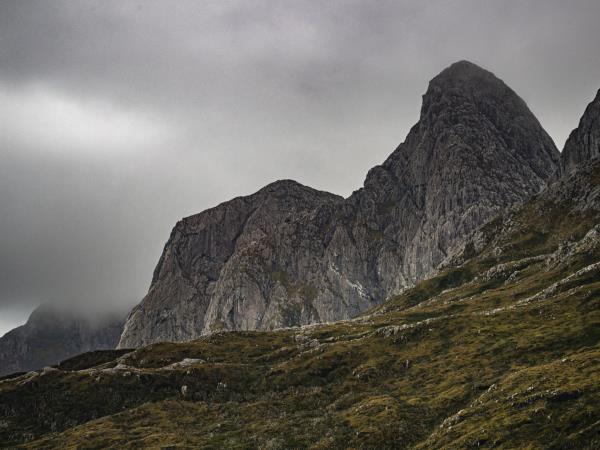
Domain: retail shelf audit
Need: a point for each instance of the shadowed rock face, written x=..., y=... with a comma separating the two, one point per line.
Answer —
x=290, y=255
x=54, y=334
x=583, y=143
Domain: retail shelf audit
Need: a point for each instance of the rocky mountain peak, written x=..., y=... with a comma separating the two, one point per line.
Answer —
x=291, y=255
x=476, y=149
x=466, y=95
x=583, y=143
x=463, y=102
x=465, y=73
x=465, y=83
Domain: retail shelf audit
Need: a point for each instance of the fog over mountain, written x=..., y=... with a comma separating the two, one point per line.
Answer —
x=118, y=118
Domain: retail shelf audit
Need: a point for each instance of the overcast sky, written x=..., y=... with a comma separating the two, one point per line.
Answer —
x=118, y=118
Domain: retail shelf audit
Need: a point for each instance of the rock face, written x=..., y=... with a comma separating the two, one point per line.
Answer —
x=231, y=266
x=52, y=335
x=290, y=255
x=583, y=143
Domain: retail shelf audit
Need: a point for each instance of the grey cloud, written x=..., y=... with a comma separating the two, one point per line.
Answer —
x=243, y=93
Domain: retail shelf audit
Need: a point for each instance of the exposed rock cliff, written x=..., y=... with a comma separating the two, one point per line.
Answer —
x=290, y=255
x=230, y=266
x=53, y=334
x=583, y=143
x=475, y=150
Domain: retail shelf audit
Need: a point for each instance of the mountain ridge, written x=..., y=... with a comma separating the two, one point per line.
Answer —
x=476, y=149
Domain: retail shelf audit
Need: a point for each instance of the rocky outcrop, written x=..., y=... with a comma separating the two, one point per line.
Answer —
x=53, y=334
x=246, y=264
x=583, y=143
x=475, y=150
x=290, y=255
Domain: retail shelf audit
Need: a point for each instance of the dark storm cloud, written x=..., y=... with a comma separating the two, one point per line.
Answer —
x=117, y=118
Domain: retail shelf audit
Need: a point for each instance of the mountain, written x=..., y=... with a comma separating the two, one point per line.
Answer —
x=500, y=349
x=583, y=143
x=232, y=254
x=289, y=255
x=52, y=334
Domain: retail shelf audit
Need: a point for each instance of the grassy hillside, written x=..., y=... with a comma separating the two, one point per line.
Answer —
x=501, y=349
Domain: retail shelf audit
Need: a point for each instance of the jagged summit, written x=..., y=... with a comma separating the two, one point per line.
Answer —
x=465, y=92
x=291, y=255
x=468, y=80
x=465, y=98
x=583, y=143
x=476, y=149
